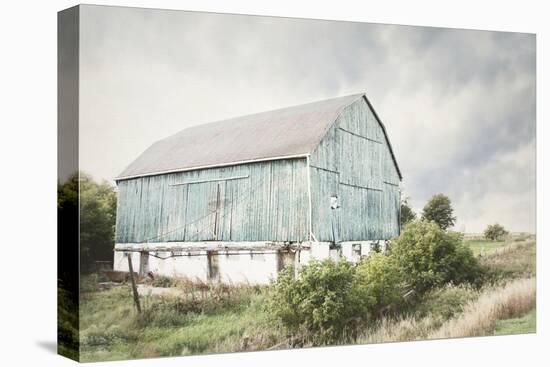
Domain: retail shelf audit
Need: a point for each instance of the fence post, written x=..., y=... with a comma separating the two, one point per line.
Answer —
x=132, y=280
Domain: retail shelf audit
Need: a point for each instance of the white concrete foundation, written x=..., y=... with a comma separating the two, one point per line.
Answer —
x=228, y=265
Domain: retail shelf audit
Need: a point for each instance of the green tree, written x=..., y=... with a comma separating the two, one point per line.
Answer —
x=95, y=205
x=439, y=210
x=67, y=267
x=407, y=213
x=495, y=232
x=430, y=257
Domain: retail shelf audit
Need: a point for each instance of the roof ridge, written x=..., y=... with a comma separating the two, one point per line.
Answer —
x=248, y=115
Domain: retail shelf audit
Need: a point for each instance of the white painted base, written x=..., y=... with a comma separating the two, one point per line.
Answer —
x=232, y=266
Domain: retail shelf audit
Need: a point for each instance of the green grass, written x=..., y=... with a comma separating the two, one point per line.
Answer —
x=519, y=325
x=483, y=247
x=111, y=328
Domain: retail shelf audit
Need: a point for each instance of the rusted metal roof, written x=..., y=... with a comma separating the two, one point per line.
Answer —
x=285, y=133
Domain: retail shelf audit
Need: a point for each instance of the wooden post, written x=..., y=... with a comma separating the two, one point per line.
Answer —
x=296, y=263
x=133, y=281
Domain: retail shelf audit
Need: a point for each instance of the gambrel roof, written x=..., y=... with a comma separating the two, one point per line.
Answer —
x=284, y=133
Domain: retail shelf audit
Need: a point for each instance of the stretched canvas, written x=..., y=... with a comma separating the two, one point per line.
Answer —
x=233, y=183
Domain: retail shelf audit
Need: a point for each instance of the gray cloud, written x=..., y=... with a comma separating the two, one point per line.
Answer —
x=459, y=105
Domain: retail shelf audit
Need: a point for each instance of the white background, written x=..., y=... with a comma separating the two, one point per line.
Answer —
x=28, y=182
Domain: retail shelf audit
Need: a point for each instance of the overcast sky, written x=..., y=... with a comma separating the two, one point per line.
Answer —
x=459, y=105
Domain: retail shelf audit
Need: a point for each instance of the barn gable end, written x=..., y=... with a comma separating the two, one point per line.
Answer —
x=355, y=162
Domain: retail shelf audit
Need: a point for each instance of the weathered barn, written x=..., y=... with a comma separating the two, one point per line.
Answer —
x=238, y=199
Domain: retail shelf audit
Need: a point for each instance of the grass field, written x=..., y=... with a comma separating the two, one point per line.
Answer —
x=483, y=247
x=518, y=325
x=224, y=319
x=170, y=326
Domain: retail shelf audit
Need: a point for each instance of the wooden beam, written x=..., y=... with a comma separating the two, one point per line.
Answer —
x=193, y=247
x=359, y=136
x=210, y=180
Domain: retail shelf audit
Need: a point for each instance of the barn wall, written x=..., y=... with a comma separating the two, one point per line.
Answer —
x=269, y=205
x=353, y=161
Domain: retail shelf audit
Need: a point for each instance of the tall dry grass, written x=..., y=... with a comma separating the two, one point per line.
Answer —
x=480, y=317
x=404, y=329
x=512, y=248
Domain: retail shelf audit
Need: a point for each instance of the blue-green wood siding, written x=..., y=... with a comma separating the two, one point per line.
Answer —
x=271, y=204
x=354, y=162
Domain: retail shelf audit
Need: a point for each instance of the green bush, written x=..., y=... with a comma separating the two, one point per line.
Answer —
x=378, y=283
x=327, y=299
x=430, y=257
x=444, y=303
x=162, y=281
x=320, y=302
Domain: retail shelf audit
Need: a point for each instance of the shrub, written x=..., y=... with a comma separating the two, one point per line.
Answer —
x=465, y=268
x=376, y=247
x=378, y=283
x=429, y=257
x=162, y=281
x=321, y=301
x=495, y=232
x=444, y=303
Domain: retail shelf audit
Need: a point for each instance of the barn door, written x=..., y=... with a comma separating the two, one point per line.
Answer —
x=215, y=209
x=205, y=211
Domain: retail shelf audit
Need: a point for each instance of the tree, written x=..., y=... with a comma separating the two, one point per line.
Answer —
x=407, y=214
x=95, y=205
x=495, y=232
x=67, y=236
x=439, y=210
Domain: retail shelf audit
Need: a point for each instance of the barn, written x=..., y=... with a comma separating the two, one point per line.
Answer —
x=239, y=199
